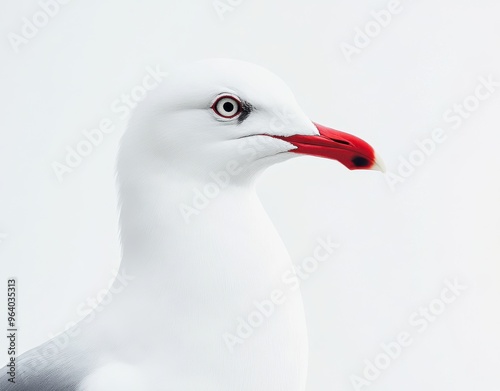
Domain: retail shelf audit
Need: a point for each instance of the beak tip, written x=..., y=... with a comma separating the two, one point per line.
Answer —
x=378, y=164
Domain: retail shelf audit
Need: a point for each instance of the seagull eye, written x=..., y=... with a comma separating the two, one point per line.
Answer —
x=227, y=107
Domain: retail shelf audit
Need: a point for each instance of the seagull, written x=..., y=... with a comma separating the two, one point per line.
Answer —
x=198, y=245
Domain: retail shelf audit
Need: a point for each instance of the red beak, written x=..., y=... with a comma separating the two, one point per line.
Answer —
x=349, y=150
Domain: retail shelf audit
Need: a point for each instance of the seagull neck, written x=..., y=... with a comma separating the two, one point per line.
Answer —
x=167, y=223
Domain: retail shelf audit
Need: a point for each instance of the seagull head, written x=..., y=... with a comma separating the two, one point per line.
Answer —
x=231, y=115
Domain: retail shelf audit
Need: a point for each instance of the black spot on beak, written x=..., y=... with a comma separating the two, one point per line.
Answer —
x=360, y=161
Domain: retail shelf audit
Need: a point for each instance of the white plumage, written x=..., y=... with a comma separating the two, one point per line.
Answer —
x=198, y=243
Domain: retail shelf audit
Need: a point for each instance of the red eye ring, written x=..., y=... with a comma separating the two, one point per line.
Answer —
x=227, y=106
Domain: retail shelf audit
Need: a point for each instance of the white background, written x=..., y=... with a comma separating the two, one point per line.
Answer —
x=397, y=247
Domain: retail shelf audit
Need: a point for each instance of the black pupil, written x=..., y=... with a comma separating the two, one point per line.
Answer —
x=228, y=106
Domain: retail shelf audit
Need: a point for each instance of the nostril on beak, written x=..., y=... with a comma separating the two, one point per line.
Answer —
x=360, y=161
x=341, y=141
